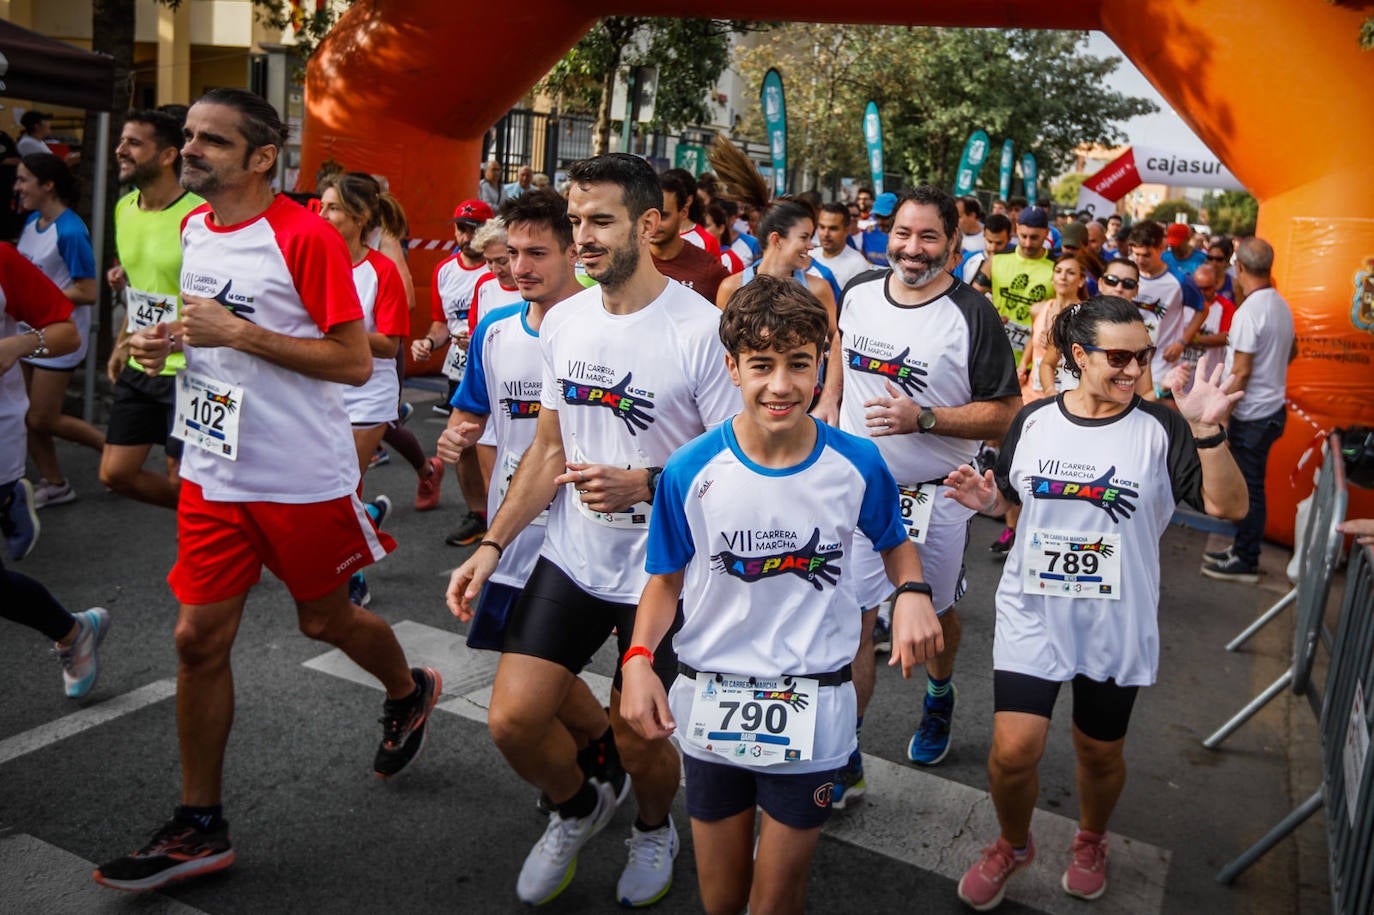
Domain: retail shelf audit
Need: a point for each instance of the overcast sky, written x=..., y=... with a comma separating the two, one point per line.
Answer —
x=1163, y=128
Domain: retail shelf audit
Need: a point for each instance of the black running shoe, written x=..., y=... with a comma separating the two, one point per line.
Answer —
x=471, y=529
x=1218, y=555
x=404, y=729
x=177, y=851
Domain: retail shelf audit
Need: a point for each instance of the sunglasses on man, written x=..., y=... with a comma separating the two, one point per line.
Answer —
x=1120, y=358
x=1125, y=282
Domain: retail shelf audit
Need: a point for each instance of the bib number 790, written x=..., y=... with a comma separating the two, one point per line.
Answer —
x=752, y=716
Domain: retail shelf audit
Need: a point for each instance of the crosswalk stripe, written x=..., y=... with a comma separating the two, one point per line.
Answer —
x=910, y=815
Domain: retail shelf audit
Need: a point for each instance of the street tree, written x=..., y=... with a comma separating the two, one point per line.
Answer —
x=934, y=87
x=690, y=54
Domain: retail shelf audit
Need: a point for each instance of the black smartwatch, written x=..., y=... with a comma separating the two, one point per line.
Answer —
x=1215, y=440
x=654, y=474
x=925, y=420
x=919, y=587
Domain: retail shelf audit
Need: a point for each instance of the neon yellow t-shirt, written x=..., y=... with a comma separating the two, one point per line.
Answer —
x=1017, y=284
x=148, y=244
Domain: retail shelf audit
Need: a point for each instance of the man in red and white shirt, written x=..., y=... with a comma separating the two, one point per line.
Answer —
x=271, y=327
x=451, y=292
x=691, y=231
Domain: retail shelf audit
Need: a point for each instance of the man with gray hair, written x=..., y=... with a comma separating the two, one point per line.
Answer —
x=1260, y=345
x=524, y=180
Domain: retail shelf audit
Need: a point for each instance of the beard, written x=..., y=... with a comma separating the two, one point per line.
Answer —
x=198, y=180
x=923, y=271
x=623, y=264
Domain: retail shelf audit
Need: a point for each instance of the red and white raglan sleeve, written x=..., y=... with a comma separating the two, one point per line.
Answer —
x=29, y=295
x=318, y=260
x=389, y=311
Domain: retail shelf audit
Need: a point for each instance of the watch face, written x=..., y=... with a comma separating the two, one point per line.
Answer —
x=926, y=419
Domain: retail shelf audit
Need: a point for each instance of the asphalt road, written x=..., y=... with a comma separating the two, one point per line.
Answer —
x=314, y=830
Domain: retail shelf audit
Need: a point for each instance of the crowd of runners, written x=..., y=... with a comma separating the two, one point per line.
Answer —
x=745, y=436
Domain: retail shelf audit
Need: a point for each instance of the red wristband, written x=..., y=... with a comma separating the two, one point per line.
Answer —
x=635, y=650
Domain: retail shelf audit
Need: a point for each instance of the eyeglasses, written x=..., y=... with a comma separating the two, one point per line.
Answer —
x=1120, y=358
x=1125, y=282
x=1220, y=260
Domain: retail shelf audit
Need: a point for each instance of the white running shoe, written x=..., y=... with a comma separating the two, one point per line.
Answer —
x=79, y=662
x=648, y=873
x=551, y=864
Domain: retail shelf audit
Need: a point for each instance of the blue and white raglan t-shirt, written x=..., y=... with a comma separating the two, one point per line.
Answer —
x=1080, y=590
x=63, y=252
x=767, y=553
x=504, y=379
x=629, y=390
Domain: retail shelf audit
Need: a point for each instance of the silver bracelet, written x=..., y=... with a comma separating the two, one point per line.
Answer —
x=42, y=348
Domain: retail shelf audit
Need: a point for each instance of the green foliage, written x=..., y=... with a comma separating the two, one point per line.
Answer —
x=1168, y=209
x=1065, y=190
x=314, y=25
x=1231, y=212
x=934, y=87
x=1367, y=34
x=690, y=55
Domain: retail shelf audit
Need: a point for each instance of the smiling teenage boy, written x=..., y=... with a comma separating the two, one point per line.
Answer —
x=753, y=528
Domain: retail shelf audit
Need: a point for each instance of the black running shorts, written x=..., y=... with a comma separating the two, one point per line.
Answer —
x=1101, y=710
x=142, y=411
x=557, y=621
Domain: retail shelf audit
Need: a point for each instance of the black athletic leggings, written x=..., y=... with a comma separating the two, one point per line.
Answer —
x=25, y=600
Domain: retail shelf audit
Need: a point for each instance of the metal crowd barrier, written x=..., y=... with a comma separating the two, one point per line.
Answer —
x=1347, y=769
x=1321, y=550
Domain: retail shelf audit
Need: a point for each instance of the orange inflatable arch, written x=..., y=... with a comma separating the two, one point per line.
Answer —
x=1278, y=89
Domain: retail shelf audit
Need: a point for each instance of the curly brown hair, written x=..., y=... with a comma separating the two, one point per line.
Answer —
x=772, y=313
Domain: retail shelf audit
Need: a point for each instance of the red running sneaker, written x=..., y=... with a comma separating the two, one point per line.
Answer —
x=427, y=494
x=984, y=884
x=1086, y=877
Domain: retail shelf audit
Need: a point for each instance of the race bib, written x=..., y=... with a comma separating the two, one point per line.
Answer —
x=207, y=414
x=1018, y=334
x=148, y=309
x=635, y=518
x=456, y=362
x=1069, y=564
x=917, y=501
x=509, y=461
x=754, y=721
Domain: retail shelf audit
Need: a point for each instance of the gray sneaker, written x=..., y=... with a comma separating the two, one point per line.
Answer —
x=551, y=864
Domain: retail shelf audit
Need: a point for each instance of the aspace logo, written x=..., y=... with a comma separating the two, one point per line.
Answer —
x=520, y=409
x=910, y=378
x=815, y=562
x=630, y=409
x=1112, y=498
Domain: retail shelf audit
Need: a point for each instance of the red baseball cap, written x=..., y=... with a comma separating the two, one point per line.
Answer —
x=1178, y=233
x=473, y=211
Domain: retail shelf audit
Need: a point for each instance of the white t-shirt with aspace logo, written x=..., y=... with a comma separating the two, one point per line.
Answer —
x=506, y=374
x=287, y=271
x=1263, y=327
x=629, y=390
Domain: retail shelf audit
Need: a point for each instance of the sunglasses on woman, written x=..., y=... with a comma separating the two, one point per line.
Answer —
x=1125, y=282
x=1120, y=358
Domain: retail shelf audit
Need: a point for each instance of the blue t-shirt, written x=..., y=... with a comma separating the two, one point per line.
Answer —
x=1188, y=264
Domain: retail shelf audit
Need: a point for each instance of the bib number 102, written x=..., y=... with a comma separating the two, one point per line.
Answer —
x=752, y=715
x=207, y=412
